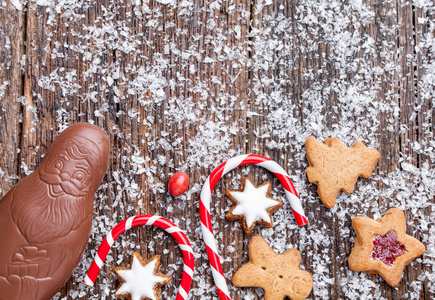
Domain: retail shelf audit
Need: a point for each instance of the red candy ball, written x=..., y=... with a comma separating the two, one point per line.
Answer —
x=178, y=184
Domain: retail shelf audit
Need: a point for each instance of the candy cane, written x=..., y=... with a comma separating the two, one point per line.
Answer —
x=204, y=208
x=150, y=220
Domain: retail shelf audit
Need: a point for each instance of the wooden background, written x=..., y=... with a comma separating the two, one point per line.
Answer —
x=35, y=43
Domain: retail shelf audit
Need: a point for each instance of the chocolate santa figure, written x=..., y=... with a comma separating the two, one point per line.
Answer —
x=46, y=219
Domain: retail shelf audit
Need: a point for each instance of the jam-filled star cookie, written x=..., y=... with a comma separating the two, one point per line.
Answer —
x=383, y=247
x=142, y=281
x=278, y=274
x=334, y=167
x=252, y=205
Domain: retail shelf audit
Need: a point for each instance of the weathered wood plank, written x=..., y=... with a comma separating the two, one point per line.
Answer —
x=12, y=39
x=425, y=117
x=385, y=34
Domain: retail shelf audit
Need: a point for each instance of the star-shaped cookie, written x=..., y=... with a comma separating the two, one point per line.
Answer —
x=334, y=167
x=252, y=205
x=383, y=247
x=278, y=274
x=142, y=281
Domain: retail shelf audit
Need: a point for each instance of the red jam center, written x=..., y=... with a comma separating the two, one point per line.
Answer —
x=387, y=248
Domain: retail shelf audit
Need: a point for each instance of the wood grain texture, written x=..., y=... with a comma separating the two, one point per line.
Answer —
x=177, y=46
x=11, y=92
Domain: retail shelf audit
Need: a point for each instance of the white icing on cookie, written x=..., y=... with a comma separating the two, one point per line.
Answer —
x=139, y=280
x=253, y=203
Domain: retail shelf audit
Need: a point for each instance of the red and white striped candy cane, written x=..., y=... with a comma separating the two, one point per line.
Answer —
x=150, y=220
x=204, y=208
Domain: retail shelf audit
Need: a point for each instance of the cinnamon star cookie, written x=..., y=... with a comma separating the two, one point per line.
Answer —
x=252, y=205
x=142, y=281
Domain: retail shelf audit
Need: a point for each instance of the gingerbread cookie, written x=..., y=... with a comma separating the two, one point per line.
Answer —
x=252, y=205
x=334, y=167
x=383, y=247
x=142, y=281
x=278, y=274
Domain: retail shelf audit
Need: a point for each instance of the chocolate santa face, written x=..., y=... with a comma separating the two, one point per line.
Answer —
x=46, y=219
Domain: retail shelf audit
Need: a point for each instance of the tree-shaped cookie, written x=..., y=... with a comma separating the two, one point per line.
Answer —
x=278, y=274
x=334, y=167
